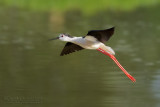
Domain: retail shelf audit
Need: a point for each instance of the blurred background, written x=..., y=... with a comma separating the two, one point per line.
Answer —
x=32, y=74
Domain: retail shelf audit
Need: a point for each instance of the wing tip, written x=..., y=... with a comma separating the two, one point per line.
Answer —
x=112, y=28
x=62, y=54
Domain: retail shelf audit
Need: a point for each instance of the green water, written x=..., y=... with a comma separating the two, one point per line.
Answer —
x=32, y=74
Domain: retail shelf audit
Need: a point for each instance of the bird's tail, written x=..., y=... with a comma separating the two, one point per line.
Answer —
x=107, y=49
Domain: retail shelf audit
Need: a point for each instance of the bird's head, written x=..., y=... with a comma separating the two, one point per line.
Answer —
x=62, y=37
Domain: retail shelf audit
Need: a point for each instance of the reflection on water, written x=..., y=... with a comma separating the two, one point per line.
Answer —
x=33, y=74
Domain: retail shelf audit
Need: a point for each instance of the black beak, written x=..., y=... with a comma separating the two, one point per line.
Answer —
x=54, y=38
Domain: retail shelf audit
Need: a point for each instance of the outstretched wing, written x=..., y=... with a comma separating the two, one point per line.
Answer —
x=69, y=48
x=101, y=35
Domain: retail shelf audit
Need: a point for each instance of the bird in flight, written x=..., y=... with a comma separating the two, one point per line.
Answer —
x=95, y=40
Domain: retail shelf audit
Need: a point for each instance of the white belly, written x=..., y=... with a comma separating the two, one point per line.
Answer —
x=92, y=44
x=89, y=44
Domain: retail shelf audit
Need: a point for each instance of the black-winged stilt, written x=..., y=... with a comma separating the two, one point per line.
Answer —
x=95, y=39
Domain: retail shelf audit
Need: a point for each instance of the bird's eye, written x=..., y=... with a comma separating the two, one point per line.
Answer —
x=62, y=36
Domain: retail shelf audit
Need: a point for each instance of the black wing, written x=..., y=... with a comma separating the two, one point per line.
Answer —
x=69, y=48
x=101, y=35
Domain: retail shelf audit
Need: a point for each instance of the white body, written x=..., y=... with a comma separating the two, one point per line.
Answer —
x=89, y=42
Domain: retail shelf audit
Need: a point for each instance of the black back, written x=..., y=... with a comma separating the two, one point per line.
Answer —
x=102, y=35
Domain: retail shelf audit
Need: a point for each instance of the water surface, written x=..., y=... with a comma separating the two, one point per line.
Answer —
x=33, y=74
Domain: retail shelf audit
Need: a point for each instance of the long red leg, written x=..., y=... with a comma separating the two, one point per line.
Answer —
x=118, y=64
